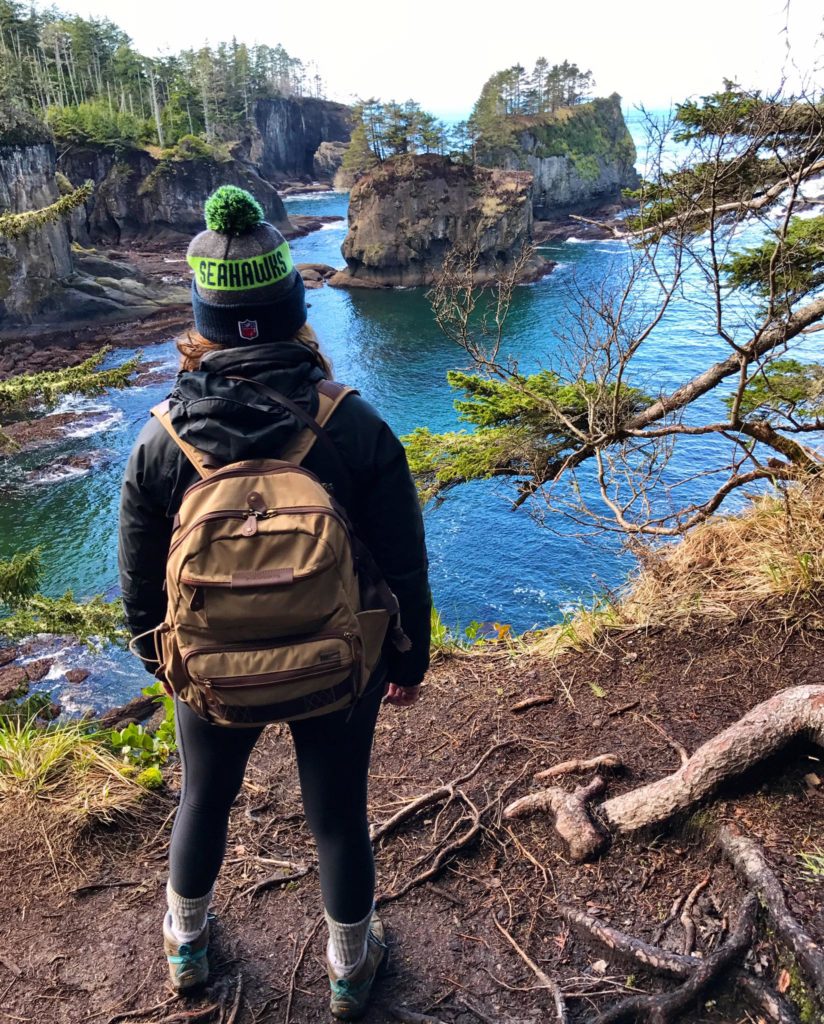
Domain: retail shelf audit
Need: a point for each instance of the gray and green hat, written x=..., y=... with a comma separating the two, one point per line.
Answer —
x=245, y=286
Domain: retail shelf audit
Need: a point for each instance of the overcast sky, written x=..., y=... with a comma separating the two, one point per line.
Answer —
x=440, y=52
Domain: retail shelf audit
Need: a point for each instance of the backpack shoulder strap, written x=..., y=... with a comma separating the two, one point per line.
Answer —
x=330, y=396
x=197, y=458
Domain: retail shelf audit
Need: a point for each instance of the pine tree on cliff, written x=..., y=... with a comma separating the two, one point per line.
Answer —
x=513, y=93
x=720, y=239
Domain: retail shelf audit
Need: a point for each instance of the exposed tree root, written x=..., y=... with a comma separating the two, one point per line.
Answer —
x=548, y=983
x=275, y=881
x=661, y=961
x=749, y=861
x=445, y=792
x=610, y=762
x=763, y=999
x=675, y=965
x=679, y=748
x=441, y=854
x=760, y=733
x=662, y=1009
x=572, y=819
x=686, y=915
x=406, y=1016
x=798, y=711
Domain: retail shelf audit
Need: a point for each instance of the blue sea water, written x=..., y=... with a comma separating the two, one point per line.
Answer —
x=488, y=562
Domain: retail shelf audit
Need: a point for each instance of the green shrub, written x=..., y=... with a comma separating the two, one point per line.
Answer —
x=95, y=123
x=145, y=750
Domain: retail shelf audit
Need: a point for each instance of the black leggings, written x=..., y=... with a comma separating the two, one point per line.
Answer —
x=333, y=765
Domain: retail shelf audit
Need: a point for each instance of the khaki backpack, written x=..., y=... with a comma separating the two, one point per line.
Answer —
x=275, y=611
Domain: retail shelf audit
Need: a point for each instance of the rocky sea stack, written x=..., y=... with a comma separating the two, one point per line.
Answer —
x=405, y=216
x=580, y=157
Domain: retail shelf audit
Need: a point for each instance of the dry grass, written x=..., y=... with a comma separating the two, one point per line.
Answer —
x=62, y=774
x=767, y=561
x=770, y=558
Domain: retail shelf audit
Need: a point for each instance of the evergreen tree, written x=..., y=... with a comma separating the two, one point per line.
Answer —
x=84, y=73
x=738, y=193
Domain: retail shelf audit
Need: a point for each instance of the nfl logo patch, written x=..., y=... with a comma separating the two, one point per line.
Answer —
x=248, y=329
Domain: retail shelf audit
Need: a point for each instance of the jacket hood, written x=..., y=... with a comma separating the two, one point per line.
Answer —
x=231, y=420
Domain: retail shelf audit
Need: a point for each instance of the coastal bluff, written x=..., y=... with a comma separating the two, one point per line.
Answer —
x=580, y=157
x=405, y=215
x=44, y=279
x=141, y=195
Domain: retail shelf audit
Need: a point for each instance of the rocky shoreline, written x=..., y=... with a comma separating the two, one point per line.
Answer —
x=162, y=267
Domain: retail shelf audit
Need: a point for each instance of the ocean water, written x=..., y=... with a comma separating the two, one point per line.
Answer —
x=488, y=562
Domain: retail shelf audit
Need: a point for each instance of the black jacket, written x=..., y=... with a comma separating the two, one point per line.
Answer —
x=232, y=421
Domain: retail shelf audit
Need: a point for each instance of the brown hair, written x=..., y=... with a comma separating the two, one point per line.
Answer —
x=193, y=347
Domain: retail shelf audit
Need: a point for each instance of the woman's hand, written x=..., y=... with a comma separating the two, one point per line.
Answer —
x=401, y=696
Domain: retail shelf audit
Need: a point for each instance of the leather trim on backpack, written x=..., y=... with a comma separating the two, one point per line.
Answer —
x=263, y=577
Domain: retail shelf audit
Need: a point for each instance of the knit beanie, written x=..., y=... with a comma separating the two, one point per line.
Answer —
x=245, y=286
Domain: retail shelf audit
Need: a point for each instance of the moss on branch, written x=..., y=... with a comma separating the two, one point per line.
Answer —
x=16, y=225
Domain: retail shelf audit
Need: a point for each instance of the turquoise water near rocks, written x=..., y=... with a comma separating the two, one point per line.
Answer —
x=488, y=563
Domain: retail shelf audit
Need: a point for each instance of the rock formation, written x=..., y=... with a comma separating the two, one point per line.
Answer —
x=327, y=160
x=580, y=157
x=140, y=195
x=289, y=132
x=41, y=280
x=405, y=215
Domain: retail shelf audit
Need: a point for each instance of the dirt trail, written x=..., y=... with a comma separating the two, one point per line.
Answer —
x=94, y=954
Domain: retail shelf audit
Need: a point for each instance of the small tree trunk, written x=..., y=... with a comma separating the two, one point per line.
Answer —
x=156, y=107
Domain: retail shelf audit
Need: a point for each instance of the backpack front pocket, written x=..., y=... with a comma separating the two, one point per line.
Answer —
x=274, y=671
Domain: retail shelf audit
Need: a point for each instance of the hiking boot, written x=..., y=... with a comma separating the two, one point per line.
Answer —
x=188, y=963
x=350, y=995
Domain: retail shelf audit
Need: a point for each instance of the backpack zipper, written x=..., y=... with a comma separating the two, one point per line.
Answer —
x=266, y=645
x=256, y=515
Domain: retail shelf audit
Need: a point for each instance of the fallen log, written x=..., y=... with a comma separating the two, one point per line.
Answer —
x=748, y=859
x=137, y=710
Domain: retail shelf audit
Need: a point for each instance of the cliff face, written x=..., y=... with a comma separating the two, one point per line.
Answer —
x=290, y=132
x=580, y=158
x=33, y=267
x=137, y=194
x=404, y=216
x=42, y=281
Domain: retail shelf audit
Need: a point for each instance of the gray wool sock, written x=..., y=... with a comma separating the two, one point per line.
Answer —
x=187, y=917
x=346, y=948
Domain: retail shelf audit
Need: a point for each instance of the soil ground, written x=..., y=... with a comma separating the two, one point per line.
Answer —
x=80, y=927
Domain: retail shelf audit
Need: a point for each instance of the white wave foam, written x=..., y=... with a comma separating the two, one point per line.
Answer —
x=575, y=240
x=302, y=197
x=335, y=225
x=79, y=403
x=59, y=474
x=98, y=427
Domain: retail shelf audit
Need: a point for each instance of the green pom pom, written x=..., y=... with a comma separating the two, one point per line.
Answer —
x=232, y=211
